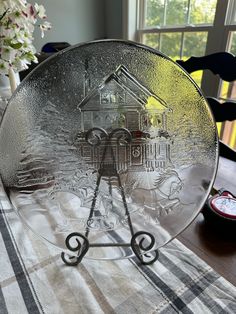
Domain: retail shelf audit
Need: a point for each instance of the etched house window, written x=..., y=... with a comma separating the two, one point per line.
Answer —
x=163, y=149
x=121, y=97
x=133, y=120
x=121, y=120
x=151, y=119
x=87, y=152
x=96, y=119
x=113, y=98
x=156, y=120
x=110, y=97
x=87, y=117
x=145, y=121
x=105, y=98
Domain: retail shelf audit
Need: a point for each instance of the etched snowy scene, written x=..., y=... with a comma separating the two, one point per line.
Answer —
x=122, y=159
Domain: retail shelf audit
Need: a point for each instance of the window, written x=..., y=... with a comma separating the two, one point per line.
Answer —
x=178, y=28
x=184, y=28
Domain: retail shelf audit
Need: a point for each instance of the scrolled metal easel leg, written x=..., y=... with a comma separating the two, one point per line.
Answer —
x=139, y=249
x=73, y=243
x=140, y=239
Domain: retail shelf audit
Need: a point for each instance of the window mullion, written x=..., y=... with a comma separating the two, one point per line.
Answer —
x=188, y=12
x=177, y=29
x=216, y=42
x=218, y=29
x=142, y=13
x=182, y=46
x=159, y=42
x=165, y=12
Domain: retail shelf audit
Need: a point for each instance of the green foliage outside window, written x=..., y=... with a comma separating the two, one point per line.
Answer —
x=177, y=12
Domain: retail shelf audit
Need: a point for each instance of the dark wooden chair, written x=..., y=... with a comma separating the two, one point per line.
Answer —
x=54, y=46
x=224, y=65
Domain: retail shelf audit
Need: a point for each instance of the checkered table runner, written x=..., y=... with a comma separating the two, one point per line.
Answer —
x=34, y=280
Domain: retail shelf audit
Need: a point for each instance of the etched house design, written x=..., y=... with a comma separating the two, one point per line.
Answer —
x=121, y=101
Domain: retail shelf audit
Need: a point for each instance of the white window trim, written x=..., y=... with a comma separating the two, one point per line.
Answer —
x=130, y=11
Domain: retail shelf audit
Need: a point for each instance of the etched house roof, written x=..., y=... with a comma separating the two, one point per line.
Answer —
x=121, y=83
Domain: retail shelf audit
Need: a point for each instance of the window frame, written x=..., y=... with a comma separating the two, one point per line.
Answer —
x=218, y=40
x=218, y=33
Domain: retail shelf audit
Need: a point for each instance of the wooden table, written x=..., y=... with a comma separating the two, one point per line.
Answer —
x=214, y=245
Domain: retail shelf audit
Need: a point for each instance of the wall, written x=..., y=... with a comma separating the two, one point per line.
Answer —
x=113, y=25
x=73, y=21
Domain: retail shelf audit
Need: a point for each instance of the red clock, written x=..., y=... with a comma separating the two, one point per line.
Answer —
x=221, y=207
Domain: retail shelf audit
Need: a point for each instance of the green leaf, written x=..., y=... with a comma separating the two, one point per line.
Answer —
x=30, y=56
x=16, y=46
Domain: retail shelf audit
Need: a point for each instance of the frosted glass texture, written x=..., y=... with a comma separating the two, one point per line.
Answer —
x=106, y=137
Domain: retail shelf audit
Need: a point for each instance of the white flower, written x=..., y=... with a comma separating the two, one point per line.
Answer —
x=40, y=11
x=4, y=66
x=18, y=19
x=8, y=54
x=21, y=63
x=22, y=2
x=45, y=27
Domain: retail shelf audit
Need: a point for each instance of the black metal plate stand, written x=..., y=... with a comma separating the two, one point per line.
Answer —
x=79, y=243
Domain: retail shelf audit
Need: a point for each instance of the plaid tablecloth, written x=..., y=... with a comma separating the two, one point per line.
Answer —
x=34, y=280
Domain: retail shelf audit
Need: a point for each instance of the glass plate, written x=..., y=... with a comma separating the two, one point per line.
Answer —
x=109, y=141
